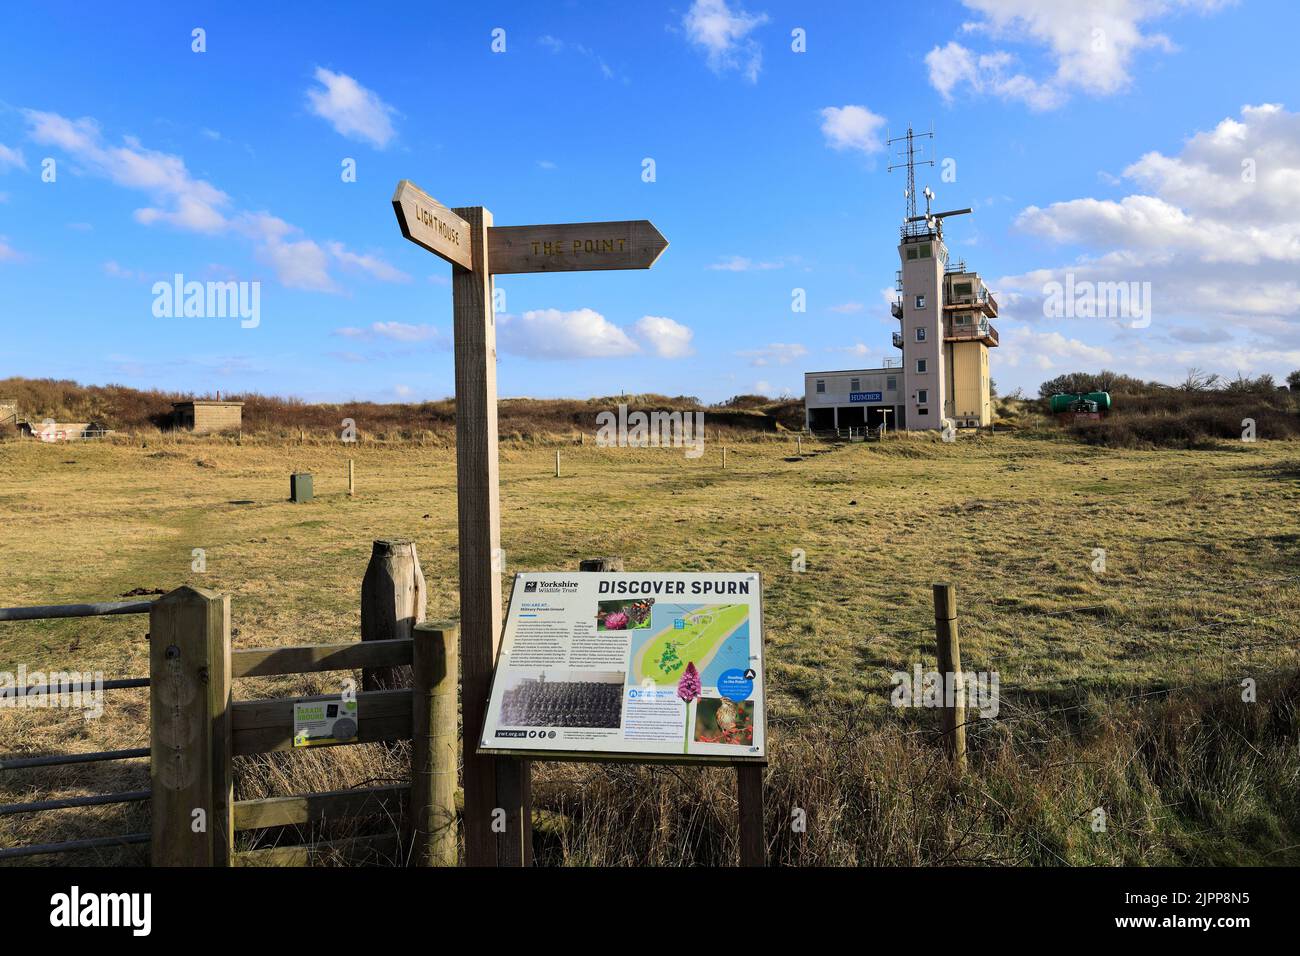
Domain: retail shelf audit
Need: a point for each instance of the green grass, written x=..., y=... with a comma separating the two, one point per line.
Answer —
x=1200, y=587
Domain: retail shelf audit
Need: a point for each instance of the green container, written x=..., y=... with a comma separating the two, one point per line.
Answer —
x=1065, y=403
x=300, y=487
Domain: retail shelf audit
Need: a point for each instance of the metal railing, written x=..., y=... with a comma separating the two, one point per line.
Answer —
x=54, y=612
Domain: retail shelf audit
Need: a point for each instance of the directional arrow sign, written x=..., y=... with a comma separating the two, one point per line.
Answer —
x=574, y=246
x=428, y=223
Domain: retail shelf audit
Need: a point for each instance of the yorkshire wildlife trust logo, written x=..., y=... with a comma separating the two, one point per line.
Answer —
x=74, y=690
x=932, y=689
x=208, y=300
x=1130, y=301
x=652, y=430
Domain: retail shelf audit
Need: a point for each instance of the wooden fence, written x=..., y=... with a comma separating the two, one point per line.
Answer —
x=198, y=727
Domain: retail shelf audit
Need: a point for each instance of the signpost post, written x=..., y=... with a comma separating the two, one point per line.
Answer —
x=477, y=250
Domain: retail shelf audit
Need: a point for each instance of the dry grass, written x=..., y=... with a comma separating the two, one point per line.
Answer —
x=1201, y=559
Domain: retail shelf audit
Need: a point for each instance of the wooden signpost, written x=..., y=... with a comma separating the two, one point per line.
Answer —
x=466, y=238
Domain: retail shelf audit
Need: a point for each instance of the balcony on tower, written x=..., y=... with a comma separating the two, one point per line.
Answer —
x=966, y=291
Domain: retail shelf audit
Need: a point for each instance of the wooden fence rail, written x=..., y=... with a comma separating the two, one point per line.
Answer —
x=198, y=728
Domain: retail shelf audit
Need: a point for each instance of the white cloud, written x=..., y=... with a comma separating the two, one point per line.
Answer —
x=556, y=334
x=187, y=203
x=778, y=353
x=1050, y=351
x=396, y=332
x=1221, y=251
x=7, y=252
x=372, y=265
x=954, y=65
x=10, y=157
x=847, y=308
x=743, y=264
x=853, y=127
x=195, y=205
x=724, y=34
x=353, y=110
x=667, y=338
x=1090, y=46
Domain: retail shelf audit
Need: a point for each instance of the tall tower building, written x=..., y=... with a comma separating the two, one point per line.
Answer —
x=943, y=310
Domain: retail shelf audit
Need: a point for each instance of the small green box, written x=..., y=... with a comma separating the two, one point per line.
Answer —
x=300, y=487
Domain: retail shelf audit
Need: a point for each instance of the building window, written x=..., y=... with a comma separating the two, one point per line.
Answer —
x=922, y=396
x=920, y=302
x=821, y=386
x=921, y=366
x=963, y=318
x=855, y=385
x=920, y=333
x=911, y=253
x=891, y=383
x=961, y=288
x=925, y=250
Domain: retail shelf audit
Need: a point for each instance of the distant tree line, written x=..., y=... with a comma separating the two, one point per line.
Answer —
x=1196, y=380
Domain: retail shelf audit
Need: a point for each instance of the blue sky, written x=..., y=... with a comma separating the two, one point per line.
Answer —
x=1106, y=140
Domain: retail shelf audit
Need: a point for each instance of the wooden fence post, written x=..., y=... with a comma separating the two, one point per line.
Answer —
x=949, y=653
x=435, y=678
x=557, y=463
x=351, y=485
x=393, y=601
x=190, y=736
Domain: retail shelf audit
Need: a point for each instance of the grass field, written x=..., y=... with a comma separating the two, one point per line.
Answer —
x=1200, y=585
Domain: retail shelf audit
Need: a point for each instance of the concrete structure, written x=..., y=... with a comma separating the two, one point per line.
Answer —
x=944, y=333
x=208, y=416
x=8, y=411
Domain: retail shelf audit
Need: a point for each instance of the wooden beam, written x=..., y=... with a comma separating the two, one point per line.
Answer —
x=311, y=658
x=383, y=848
x=749, y=796
x=390, y=801
x=433, y=745
x=190, y=729
x=574, y=246
x=490, y=783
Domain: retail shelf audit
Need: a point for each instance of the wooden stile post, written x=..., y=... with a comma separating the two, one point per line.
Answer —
x=351, y=485
x=435, y=657
x=490, y=783
x=557, y=463
x=724, y=456
x=949, y=653
x=393, y=600
x=190, y=735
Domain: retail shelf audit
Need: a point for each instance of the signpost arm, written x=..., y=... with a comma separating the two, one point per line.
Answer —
x=490, y=783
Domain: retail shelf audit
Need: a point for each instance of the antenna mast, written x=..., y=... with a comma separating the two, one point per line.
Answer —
x=910, y=153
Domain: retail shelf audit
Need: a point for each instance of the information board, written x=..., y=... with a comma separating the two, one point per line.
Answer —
x=639, y=665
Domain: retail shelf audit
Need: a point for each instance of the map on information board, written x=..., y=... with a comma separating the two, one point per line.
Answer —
x=636, y=664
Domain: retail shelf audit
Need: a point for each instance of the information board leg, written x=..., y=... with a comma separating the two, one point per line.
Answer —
x=749, y=794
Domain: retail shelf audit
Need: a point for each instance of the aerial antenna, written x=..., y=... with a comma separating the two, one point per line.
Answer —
x=909, y=154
